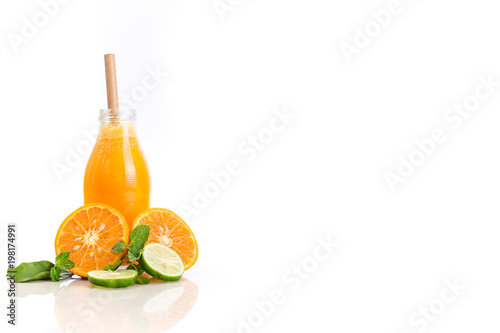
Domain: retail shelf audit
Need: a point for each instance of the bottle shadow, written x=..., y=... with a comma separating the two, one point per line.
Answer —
x=82, y=307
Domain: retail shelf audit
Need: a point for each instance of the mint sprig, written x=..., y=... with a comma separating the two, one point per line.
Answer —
x=138, y=238
x=119, y=247
x=63, y=264
x=43, y=270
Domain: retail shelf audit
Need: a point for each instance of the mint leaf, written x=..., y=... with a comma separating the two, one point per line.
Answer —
x=119, y=247
x=31, y=271
x=62, y=257
x=113, y=267
x=69, y=265
x=142, y=280
x=63, y=262
x=138, y=237
x=55, y=274
x=132, y=256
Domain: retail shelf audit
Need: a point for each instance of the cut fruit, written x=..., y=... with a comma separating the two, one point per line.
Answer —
x=169, y=229
x=113, y=279
x=88, y=234
x=162, y=262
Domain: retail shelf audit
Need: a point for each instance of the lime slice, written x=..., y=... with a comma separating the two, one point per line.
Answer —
x=162, y=262
x=109, y=279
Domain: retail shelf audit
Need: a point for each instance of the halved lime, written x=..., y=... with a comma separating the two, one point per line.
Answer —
x=109, y=279
x=162, y=262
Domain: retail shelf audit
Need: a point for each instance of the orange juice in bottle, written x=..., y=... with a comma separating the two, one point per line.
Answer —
x=117, y=173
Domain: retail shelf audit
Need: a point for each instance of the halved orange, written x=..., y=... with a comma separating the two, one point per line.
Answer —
x=88, y=234
x=169, y=229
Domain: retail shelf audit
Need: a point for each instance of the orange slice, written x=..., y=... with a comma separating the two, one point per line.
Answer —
x=88, y=234
x=169, y=229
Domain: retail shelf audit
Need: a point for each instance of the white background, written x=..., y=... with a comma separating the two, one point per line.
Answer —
x=322, y=176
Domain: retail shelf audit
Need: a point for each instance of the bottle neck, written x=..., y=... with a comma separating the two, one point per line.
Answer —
x=116, y=124
x=122, y=115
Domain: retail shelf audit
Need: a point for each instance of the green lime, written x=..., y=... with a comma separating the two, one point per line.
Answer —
x=162, y=262
x=109, y=279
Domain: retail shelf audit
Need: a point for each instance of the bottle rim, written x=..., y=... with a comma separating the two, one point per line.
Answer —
x=117, y=115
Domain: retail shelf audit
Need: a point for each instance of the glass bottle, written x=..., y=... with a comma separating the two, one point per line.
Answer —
x=117, y=173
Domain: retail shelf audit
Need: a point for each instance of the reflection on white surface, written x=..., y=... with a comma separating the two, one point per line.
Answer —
x=82, y=307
